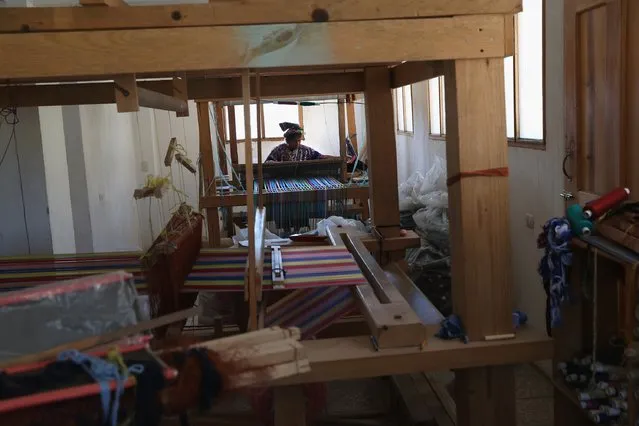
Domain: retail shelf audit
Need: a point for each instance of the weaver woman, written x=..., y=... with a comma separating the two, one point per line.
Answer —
x=292, y=149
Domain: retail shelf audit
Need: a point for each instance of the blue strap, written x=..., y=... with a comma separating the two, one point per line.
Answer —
x=103, y=372
x=452, y=328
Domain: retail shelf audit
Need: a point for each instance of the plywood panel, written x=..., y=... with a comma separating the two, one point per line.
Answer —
x=632, y=100
x=599, y=99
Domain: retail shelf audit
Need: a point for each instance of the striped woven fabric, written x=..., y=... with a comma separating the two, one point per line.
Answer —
x=311, y=310
x=215, y=269
x=27, y=271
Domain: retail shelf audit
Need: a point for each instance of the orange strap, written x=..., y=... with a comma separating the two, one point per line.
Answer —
x=499, y=171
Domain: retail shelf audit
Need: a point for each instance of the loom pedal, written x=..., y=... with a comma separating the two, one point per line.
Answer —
x=278, y=274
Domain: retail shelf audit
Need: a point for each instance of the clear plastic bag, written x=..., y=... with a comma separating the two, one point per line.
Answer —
x=47, y=316
x=324, y=224
x=425, y=190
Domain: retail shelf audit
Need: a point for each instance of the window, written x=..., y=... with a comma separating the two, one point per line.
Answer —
x=404, y=109
x=524, y=103
x=272, y=114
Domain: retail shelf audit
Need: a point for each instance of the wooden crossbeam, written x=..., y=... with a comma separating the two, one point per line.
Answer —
x=103, y=3
x=414, y=72
x=236, y=13
x=129, y=97
x=97, y=53
x=199, y=89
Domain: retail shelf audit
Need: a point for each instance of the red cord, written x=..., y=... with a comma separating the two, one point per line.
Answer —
x=499, y=171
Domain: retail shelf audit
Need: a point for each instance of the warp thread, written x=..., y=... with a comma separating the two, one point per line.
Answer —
x=553, y=267
x=451, y=327
x=103, y=372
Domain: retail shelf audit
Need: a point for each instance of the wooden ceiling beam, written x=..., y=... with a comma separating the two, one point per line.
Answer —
x=93, y=53
x=414, y=72
x=249, y=12
x=228, y=88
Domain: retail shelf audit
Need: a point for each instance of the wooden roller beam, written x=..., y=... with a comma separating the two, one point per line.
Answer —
x=129, y=97
x=199, y=89
x=150, y=99
x=239, y=13
x=101, y=53
x=414, y=72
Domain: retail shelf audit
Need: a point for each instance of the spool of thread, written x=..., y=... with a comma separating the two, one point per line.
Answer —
x=578, y=224
x=595, y=394
x=596, y=208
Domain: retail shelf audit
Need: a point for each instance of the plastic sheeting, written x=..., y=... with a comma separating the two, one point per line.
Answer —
x=47, y=316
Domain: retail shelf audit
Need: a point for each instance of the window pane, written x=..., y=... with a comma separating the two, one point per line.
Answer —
x=239, y=121
x=442, y=110
x=226, y=119
x=274, y=114
x=530, y=74
x=433, y=107
x=509, y=77
x=408, y=99
x=400, y=109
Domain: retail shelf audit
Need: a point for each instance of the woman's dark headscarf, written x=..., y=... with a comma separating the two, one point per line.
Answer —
x=291, y=130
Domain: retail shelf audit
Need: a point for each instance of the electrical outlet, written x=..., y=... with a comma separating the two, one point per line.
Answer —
x=144, y=166
x=530, y=221
x=101, y=197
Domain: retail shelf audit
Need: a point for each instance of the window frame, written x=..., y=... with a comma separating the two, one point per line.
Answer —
x=399, y=130
x=516, y=141
x=300, y=115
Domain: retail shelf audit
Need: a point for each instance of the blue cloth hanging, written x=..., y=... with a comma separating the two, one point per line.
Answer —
x=553, y=267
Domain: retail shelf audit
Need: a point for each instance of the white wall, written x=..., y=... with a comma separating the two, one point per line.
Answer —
x=57, y=178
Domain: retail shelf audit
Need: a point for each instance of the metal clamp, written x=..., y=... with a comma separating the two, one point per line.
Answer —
x=278, y=274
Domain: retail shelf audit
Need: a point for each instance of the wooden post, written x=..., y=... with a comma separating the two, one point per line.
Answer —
x=350, y=119
x=208, y=171
x=250, y=203
x=289, y=406
x=479, y=231
x=382, y=151
x=180, y=92
x=341, y=126
x=221, y=137
x=126, y=93
x=233, y=139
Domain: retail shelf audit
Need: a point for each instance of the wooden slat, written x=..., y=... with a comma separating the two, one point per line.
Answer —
x=354, y=357
x=110, y=3
x=93, y=53
x=382, y=152
x=125, y=91
x=289, y=406
x=208, y=171
x=233, y=139
x=479, y=206
x=414, y=72
x=219, y=88
x=180, y=91
x=247, y=12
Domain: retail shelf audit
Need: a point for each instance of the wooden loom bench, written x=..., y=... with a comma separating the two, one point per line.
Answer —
x=467, y=41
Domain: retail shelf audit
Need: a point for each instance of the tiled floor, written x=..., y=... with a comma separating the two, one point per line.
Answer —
x=534, y=397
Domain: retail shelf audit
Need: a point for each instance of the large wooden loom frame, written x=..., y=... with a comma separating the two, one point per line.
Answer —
x=211, y=201
x=368, y=42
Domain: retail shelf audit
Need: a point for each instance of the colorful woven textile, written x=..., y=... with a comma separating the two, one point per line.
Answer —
x=311, y=310
x=215, y=269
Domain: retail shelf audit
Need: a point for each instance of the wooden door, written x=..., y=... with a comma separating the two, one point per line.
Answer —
x=595, y=69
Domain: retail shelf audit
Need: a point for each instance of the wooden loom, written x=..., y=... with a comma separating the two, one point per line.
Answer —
x=467, y=41
x=321, y=198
